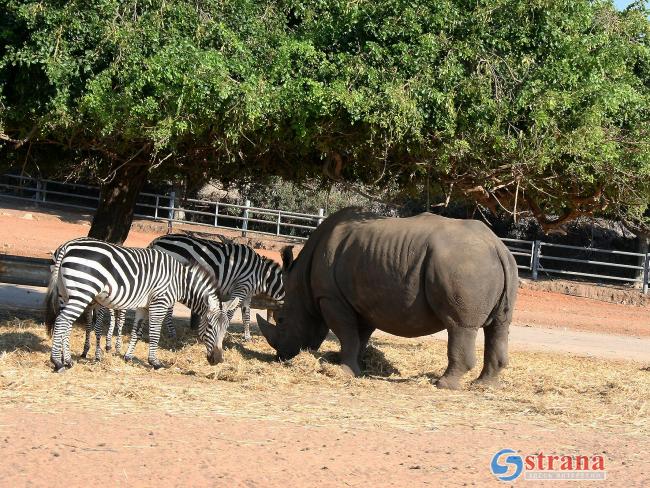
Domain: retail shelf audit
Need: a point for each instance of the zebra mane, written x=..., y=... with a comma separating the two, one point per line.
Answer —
x=267, y=260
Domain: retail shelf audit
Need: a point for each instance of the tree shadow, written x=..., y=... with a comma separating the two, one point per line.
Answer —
x=49, y=208
x=22, y=341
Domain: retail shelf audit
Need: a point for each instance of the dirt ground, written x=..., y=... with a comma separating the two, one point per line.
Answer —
x=76, y=448
x=254, y=422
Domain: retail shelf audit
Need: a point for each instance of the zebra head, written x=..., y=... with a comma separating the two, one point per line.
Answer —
x=203, y=300
x=212, y=329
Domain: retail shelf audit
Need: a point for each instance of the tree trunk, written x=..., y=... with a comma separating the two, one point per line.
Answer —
x=112, y=220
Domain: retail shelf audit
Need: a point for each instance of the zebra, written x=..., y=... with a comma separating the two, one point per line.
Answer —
x=88, y=271
x=238, y=270
x=95, y=316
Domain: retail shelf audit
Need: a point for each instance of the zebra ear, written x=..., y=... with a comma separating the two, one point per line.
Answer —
x=287, y=257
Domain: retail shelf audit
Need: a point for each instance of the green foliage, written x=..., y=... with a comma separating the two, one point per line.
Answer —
x=540, y=105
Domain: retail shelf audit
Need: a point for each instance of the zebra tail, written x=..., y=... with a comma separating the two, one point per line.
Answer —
x=52, y=296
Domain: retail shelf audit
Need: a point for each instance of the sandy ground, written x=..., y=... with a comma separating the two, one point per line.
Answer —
x=77, y=448
x=74, y=446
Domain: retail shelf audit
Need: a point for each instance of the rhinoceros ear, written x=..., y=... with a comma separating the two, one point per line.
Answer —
x=287, y=257
x=268, y=331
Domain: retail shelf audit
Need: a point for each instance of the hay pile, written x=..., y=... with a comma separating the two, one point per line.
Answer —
x=397, y=391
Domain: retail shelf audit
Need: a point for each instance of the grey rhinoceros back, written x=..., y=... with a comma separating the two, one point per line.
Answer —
x=412, y=276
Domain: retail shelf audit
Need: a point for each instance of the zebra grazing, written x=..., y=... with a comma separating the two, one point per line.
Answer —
x=88, y=272
x=238, y=270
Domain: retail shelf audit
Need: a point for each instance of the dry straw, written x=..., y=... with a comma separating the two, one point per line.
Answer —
x=397, y=391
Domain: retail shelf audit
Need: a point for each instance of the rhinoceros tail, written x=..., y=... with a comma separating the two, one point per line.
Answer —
x=502, y=312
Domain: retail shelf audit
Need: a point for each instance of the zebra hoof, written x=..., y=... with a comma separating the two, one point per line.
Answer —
x=69, y=364
x=108, y=348
x=128, y=359
x=83, y=355
x=60, y=369
x=156, y=364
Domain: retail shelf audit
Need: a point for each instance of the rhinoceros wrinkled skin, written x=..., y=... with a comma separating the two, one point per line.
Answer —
x=406, y=276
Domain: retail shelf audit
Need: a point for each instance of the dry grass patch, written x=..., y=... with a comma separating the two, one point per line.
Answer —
x=397, y=391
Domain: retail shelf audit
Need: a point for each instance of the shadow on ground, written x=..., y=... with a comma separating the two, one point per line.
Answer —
x=21, y=341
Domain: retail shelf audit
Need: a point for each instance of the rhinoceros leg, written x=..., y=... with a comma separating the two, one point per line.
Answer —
x=343, y=322
x=495, y=356
x=365, y=332
x=461, y=355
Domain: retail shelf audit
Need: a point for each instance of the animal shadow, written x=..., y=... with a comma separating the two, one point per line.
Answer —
x=21, y=341
x=373, y=362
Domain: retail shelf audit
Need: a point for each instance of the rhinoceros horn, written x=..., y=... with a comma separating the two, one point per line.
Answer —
x=269, y=331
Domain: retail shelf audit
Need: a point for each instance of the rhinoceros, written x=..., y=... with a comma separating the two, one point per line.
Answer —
x=406, y=276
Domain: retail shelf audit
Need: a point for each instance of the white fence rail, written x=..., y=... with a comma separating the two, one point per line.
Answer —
x=246, y=218
x=537, y=257
x=548, y=258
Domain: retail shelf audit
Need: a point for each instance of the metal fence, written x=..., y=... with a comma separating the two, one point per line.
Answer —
x=169, y=208
x=537, y=257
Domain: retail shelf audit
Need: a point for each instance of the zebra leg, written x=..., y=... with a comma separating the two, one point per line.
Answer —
x=111, y=327
x=60, y=355
x=169, y=323
x=157, y=312
x=88, y=316
x=120, y=318
x=246, y=317
x=99, y=321
x=140, y=316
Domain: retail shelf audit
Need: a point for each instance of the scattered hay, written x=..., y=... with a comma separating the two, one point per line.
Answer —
x=397, y=392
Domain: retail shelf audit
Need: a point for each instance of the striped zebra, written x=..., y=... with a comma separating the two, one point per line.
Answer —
x=88, y=272
x=237, y=269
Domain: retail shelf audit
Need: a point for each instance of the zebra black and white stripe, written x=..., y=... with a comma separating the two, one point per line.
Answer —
x=87, y=272
x=238, y=270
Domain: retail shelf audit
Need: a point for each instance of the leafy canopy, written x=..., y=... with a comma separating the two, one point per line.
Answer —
x=540, y=105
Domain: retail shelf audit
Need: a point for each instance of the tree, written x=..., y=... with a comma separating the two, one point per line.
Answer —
x=541, y=106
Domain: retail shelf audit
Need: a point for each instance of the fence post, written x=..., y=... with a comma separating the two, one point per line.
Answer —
x=216, y=213
x=155, y=216
x=321, y=214
x=172, y=199
x=277, y=232
x=534, y=258
x=38, y=195
x=244, y=225
x=646, y=273
x=44, y=187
